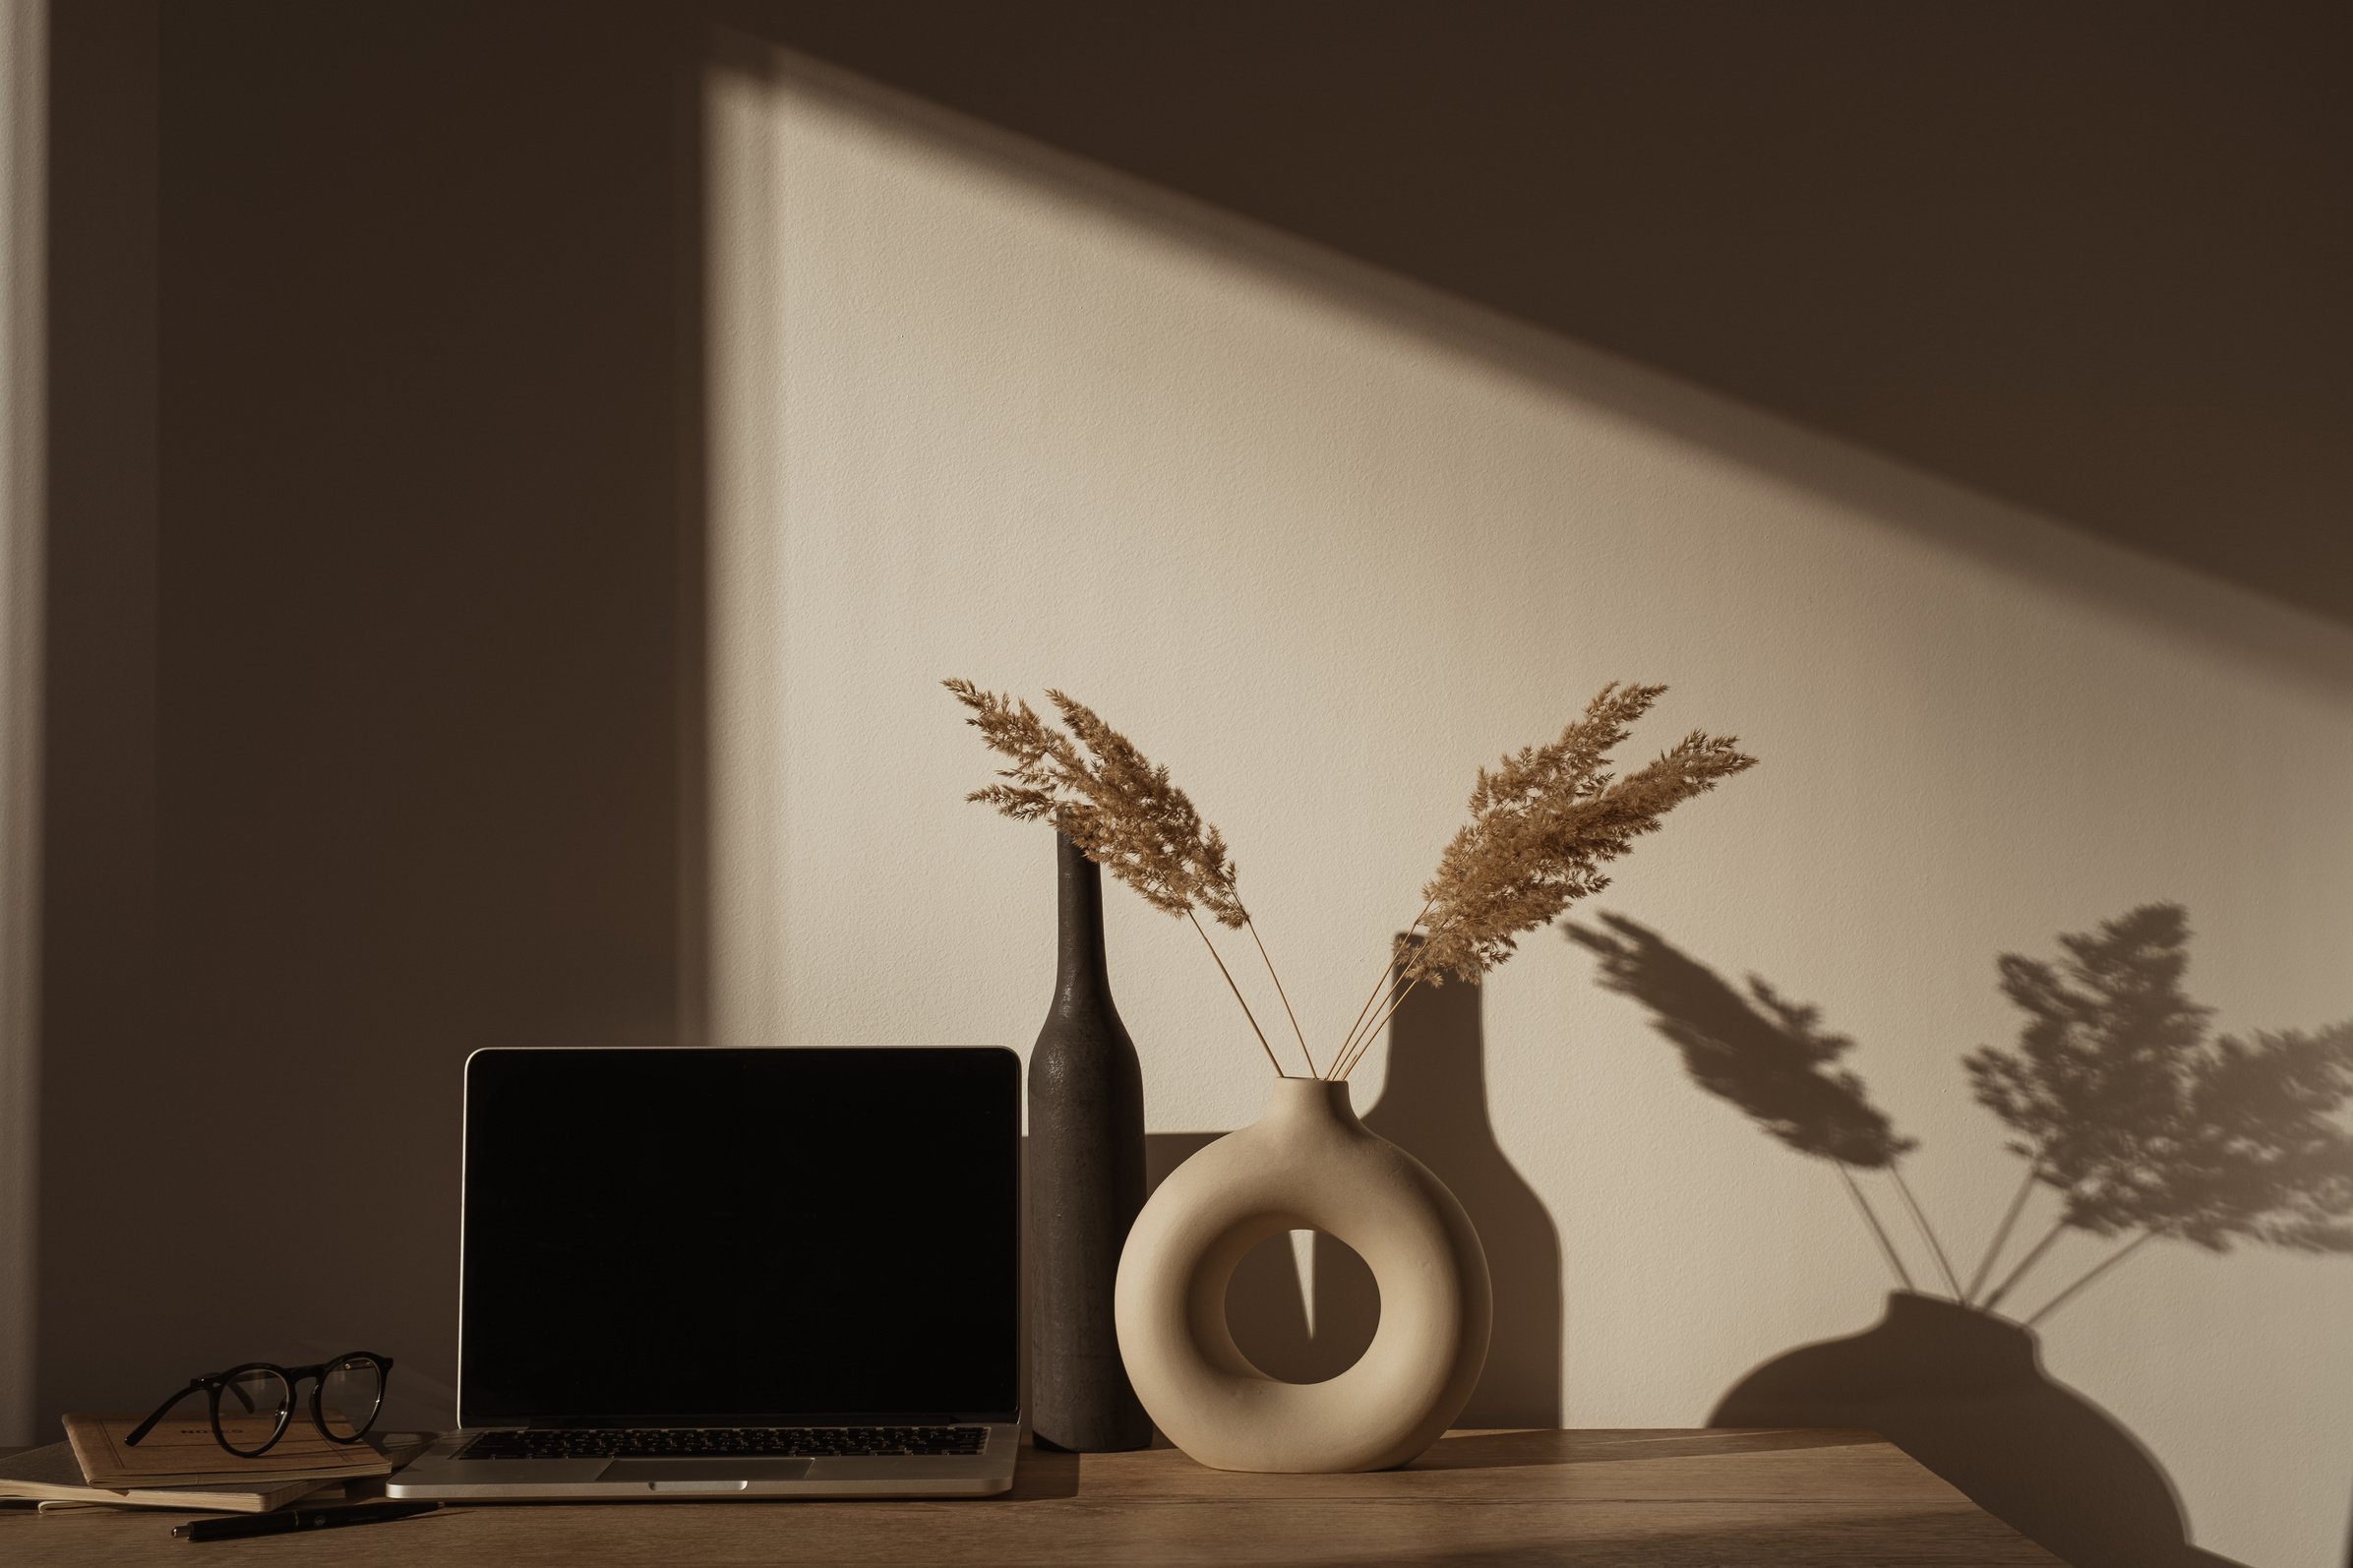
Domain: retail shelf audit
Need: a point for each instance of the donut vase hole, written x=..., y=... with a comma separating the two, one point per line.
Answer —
x=1307, y=1163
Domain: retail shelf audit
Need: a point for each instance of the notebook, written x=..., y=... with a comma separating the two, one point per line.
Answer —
x=183, y=1452
x=51, y=1476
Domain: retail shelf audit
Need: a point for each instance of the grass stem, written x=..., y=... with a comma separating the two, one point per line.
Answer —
x=1251, y=927
x=1994, y=1299
x=1238, y=996
x=1375, y=1032
x=2018, y=1203
x=1356, y=1035
x=1388, y=968
x=2104, y=1265
x=1927, y=1232
x=1879, y=1232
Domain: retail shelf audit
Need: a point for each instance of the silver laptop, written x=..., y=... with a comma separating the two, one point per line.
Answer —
x=719, y=1273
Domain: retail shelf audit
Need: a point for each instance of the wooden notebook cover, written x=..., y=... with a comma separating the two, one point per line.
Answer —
x=184, y=1453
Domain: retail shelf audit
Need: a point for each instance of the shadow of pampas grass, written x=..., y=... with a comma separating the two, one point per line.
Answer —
x=2129, y=1112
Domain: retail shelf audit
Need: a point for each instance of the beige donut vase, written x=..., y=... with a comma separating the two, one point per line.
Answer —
x=1307, y=1163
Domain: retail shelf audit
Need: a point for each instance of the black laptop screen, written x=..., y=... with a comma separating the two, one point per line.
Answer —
x=697, y=1236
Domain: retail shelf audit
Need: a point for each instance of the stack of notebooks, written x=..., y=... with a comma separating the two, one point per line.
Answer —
x=180, y=1466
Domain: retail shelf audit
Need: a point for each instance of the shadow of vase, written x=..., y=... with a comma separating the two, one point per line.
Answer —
x=1433, y=1104
x=1965, y=1394
x=1306, y=1319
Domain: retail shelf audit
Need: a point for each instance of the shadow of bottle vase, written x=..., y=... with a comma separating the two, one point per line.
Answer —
x=1965, y=1394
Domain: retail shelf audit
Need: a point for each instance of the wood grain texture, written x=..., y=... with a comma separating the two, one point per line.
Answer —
x=1660, y=1499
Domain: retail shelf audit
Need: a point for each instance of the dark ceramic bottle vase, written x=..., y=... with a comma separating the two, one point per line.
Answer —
x=1086, y=1183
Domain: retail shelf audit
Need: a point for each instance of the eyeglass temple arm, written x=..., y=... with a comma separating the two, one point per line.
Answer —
x=148, y=1425
x=194, y=1384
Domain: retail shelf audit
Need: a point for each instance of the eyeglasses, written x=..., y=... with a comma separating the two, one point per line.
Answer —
x=346, y=1395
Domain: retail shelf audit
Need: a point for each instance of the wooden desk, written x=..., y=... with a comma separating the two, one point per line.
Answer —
x=1658, y=1499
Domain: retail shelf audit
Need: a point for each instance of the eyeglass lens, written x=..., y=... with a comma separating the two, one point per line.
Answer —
x=349, y=1395
x=251, y=1408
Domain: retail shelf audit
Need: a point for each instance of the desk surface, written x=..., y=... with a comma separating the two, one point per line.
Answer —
x=1661, y=1499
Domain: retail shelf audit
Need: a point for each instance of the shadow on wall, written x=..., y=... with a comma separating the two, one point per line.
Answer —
x=426, y=771
x=1965, y=1392
x=1434, y=1106
x=1948, y=287
x=2125, y=1106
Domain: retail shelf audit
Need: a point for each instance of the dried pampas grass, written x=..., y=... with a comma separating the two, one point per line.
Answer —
x=1542, y=825
x=1101, y=792
x=1544, y=822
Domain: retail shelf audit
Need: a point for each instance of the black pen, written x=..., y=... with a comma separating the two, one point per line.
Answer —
x=298, y=1518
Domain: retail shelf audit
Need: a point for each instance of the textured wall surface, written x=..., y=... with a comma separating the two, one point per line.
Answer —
x=23, y=54
x=363, y=721
x=1323, y=544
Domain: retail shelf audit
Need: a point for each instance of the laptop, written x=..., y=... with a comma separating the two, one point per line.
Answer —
x=723, y=1273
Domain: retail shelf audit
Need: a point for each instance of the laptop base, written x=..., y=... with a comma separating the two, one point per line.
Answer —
x=438, y=1473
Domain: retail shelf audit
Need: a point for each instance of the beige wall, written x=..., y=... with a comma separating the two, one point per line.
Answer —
x=367, y=712
x=23, y=201
x=1324, y=543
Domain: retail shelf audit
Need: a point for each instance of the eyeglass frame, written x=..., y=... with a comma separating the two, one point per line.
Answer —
x=213, y=1382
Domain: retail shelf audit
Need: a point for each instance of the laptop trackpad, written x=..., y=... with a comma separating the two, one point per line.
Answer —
x=713, y=1474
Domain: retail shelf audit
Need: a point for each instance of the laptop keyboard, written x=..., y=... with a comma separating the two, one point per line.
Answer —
x=727, y=1442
